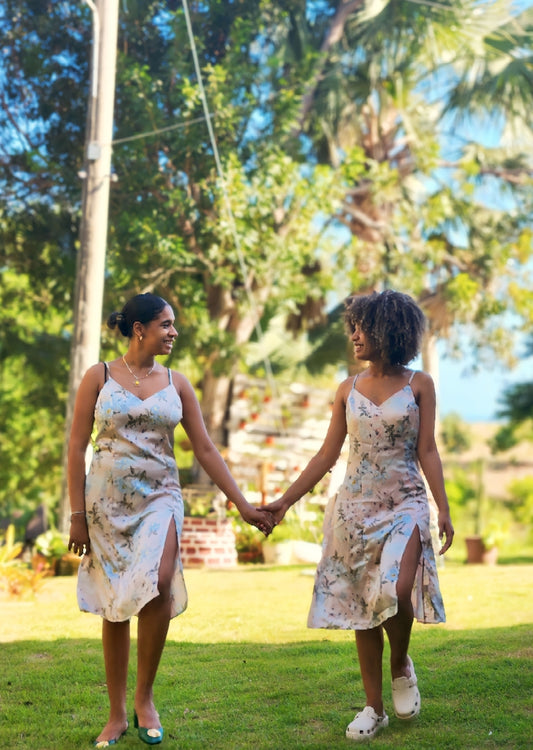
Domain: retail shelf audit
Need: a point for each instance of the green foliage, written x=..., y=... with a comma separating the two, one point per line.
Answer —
x=517, y=408
x=456, y=434
x=333, y=164
x=33, y=357
x=504, y=438
x=494, y=534
x=473, y=511
x=521, y=492
x=198, y=505
x=517, y=403
x=10, y=550
x=460, y=488
x=16, y=577
x=294, y=527
x=248, y=541
x=52, y=544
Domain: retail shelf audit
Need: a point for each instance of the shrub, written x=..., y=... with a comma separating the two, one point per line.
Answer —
x=16, y=577
x=51, y=544
x=521, y=491
x=248, y=541
x=456, y=434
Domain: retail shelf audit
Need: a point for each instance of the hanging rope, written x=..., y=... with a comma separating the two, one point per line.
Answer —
x=227, y=203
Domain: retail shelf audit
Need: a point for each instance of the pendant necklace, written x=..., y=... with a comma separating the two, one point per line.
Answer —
x=137, y=378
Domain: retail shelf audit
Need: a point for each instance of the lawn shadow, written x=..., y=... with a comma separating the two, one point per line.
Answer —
x=476, y=690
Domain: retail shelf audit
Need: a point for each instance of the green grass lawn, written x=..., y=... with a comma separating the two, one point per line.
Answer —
x=242, y=672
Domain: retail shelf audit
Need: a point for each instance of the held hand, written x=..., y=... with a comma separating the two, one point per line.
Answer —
x=258, y=517
x=79, y=542
x=278, y=510
x=445, y=530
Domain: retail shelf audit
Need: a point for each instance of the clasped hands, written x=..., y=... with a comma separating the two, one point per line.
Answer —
x=266, y=517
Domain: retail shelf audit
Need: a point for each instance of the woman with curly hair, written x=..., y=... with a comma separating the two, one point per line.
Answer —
x=378, y=568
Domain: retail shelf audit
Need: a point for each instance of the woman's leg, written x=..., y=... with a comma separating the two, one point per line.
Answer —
x=398, y=628
x=116, y=643
x=153, y=624
x=370, y=652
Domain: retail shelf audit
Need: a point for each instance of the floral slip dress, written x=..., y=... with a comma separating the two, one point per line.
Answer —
x=368, y=524
x=132, y=494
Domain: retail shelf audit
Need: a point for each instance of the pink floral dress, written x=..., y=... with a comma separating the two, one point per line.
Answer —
x=132, y=493
x=368, y=524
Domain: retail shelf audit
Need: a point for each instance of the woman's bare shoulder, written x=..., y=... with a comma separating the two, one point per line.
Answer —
x=343, y=391
x=95, y=375
x=181, y=382
x=422, y=379
x=422, y=384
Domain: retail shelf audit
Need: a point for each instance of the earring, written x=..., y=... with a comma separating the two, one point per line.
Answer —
x=140, y=338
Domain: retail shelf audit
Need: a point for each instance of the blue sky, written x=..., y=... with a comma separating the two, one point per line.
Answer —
x=475, y=396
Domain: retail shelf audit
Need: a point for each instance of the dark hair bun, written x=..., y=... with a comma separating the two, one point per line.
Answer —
x=142, y=308
x=116, y=320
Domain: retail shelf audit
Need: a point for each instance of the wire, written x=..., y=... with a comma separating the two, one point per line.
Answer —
x=220, y=171
x=178, y=125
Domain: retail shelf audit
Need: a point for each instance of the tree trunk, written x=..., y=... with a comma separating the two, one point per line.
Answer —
x=217, y=389
x=215, y=403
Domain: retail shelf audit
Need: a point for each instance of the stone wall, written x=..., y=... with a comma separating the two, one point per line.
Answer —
x=208, y=542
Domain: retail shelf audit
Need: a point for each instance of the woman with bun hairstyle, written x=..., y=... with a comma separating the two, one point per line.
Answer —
x=378, y=567
x=127, y=512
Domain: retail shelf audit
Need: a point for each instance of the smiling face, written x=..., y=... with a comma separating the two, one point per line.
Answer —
x=363, y=346
x=159, y=334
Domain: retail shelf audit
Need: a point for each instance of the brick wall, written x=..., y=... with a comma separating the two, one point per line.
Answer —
x=208, y=542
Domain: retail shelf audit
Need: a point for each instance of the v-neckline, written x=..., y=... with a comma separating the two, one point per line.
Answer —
x=378, y=406
x=127, y=390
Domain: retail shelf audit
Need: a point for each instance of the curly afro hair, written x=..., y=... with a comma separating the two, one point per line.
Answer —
x=391, y=320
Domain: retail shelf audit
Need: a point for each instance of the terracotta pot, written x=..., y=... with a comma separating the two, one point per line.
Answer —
x=474, y=549
x=67, y=565
x=490, y=556
x=476, y=552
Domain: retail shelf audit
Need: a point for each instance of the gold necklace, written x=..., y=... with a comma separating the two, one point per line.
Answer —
x=135, y=377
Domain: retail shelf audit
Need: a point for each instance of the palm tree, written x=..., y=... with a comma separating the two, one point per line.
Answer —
x=382, y=86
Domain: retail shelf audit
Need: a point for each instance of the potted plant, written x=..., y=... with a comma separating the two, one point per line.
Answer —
x=51, y=551
x=208, y=538
x=248, y=542
x=294, y=540
x=483, y=545
x=492, y=536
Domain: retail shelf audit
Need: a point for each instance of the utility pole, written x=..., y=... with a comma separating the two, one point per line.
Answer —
x=90, y=268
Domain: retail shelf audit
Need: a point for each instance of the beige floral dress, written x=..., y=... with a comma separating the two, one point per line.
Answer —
x=132, y=494
x=368, y=524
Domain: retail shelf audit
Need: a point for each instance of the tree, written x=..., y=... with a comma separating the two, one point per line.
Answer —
x=517, y=408
x=444, y=217
x=222, y=273
x=34, y=306
x=325, y=119
x=168, y=228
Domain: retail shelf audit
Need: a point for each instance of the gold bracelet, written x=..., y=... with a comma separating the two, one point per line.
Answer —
x=77, y=513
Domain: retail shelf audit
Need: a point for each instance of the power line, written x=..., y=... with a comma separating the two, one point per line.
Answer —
x=220, y=171
x=148, y=133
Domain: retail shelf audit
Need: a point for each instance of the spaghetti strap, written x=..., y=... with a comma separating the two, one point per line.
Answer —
x=169, y=376
x=106, y=371
x=412, y=376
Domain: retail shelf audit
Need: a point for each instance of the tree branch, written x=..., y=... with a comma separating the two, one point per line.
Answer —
x=333, y=35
